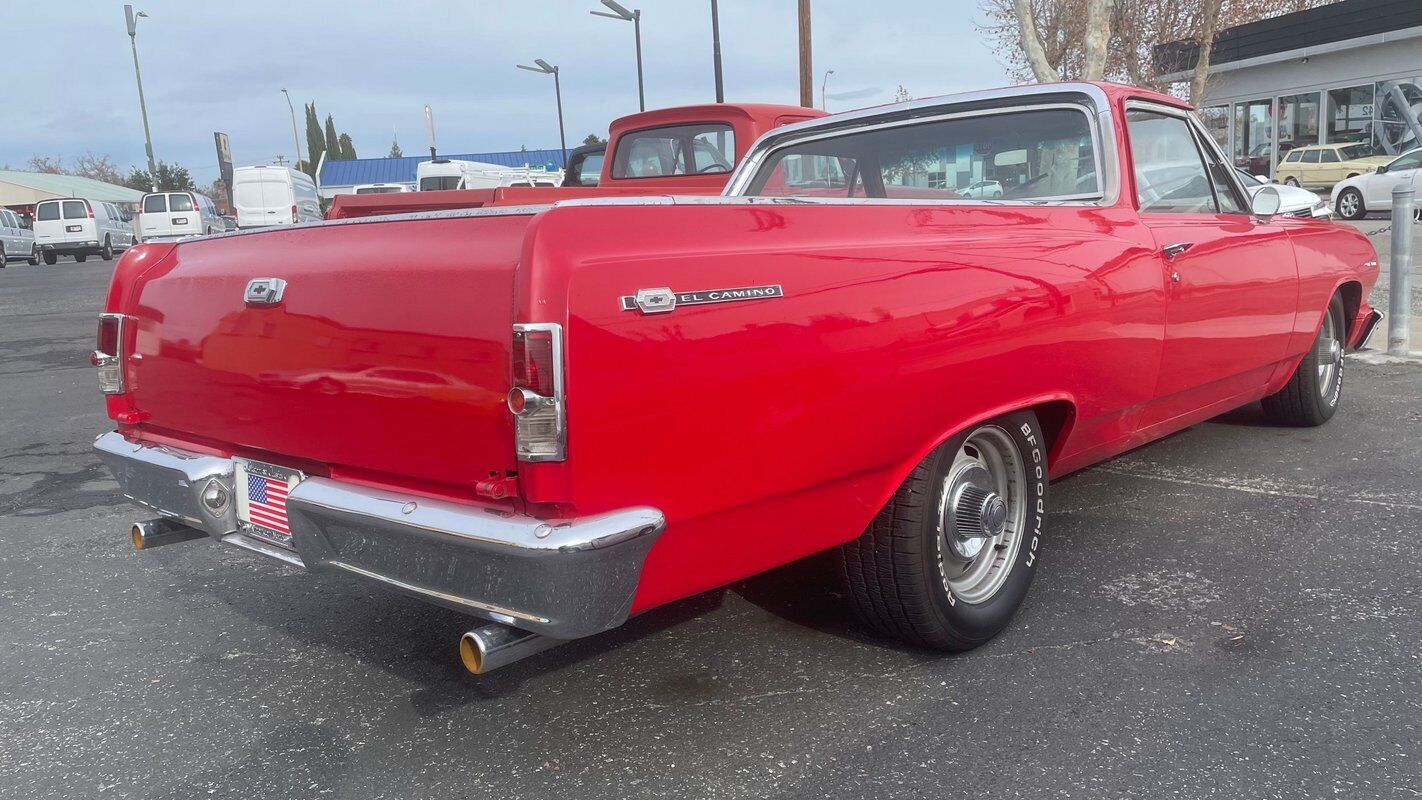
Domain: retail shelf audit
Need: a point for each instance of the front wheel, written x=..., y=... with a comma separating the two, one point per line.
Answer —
x=1290, y=182
x=108, y=253
x=946, y=563
x=1350, y=204
x=34, y=256
x=1314, y=390
x=4, y=259
x=50, y=258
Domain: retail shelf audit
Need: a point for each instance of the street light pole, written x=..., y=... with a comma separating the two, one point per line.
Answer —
x=824, y=104
x=295, y=140
x=548, y=69
x=132, y=20
x=634, y=16
x=716, y=51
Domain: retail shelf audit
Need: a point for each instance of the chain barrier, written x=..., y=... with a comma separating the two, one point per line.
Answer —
x=1416, y=220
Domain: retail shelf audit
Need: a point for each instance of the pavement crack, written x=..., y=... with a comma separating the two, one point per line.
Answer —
x=1253, y=486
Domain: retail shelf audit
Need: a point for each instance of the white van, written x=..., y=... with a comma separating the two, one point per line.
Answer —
x=177, y=214
x=265, y=196
x=381, y=188
x=16, y=239
x=455, y=174
x=81, y=228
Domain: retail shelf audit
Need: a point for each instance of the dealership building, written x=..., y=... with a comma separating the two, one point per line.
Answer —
x=1346, y=72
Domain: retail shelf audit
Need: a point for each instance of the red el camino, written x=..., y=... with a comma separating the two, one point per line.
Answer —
x=639, y=399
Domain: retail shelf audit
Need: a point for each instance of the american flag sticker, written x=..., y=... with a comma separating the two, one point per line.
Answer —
x=262, y=502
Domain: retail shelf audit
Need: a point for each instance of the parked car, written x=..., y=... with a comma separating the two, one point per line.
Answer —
x=17, y=241
x=81, y=228
x=584, y=166
x=1294, y=201
x=381, y=188
x=728, y=128
x=984, y=189
x=177, y=214
x=588, y=425
x=229, y=222
x=445, y=174
x=1321, y=165
x=265, y=196
x=1372, y=191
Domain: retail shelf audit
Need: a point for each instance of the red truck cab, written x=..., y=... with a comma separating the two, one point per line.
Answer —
x=646, y=155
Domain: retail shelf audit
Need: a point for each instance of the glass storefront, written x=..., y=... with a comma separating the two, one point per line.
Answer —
x=1298, y=121
x=1216, y=119
x=1350, y=115
x=1253, y=136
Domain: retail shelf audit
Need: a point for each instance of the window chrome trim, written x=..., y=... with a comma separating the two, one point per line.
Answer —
x=1202, y=139
x=1096, y=107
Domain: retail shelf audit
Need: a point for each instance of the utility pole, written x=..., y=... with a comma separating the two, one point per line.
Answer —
x=807, y=81
x=132, y=20
x=295, y=140
x=716, y=51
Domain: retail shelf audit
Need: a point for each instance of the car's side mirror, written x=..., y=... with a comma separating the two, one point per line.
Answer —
x=1265, y=203
x=1262, y=178
x=1382, y=169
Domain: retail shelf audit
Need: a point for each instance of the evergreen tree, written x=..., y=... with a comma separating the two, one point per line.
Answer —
x=395, y=151
x=315, y=141
x=333, y=142
x=347, y=147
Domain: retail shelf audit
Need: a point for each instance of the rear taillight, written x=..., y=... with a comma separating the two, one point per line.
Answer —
x=537, y=396
x=90, y=209
x=108, y=353
x=293, y=213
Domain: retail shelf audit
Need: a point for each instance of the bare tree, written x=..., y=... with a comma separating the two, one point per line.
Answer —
x=1209, y=23
x=97, y=167
x=1033, y=48
x=53, y=166
x=1098, y=37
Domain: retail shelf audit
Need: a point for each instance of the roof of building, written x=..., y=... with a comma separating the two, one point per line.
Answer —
x=25, y=188
x=1312, y=28
x=402, y=170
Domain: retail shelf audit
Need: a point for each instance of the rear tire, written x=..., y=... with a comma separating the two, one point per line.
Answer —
x=1350, y=204
x=108, y=252
x=1316, y=387
x=911, y=576
x=50, y=258
x=1290, y=182
x=4, y=259
x=81, y=258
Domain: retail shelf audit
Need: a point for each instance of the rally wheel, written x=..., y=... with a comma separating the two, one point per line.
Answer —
x=1314, y=390
x=947, y=562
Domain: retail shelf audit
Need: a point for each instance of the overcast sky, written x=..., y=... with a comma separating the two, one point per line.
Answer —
x=221, y=67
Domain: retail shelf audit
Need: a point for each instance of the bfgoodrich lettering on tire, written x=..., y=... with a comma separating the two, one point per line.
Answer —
x=1316, y=387
x=948, y=560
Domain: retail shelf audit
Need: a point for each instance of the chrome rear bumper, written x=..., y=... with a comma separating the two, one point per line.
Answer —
x=563, y=578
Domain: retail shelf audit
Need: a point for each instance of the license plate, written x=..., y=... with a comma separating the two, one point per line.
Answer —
x=73, y=228
x=262, y=490
x=180, y=220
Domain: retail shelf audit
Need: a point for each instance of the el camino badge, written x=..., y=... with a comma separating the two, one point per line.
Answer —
x=662, y=300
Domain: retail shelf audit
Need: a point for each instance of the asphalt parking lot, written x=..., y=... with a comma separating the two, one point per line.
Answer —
x=1233, y=612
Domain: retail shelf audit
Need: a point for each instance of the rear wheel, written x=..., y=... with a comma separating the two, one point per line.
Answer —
x=81, y=257
x=50, y=258
x=1314, y=390
x=108, y=252
x=947, y=561
x=1350, y=204
x=1290, y=181
x=4, y=259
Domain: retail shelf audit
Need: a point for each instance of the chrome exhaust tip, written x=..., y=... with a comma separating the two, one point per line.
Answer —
x=152, y=533
x=487, y=648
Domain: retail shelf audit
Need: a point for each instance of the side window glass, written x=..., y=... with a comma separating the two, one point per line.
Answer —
x=1328, y=156
x=1409, y=161
x=1170, y=177
x=1310, y=157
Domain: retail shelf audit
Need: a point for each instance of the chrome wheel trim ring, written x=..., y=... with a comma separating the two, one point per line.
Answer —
x=973, y=571
x=1330, y=358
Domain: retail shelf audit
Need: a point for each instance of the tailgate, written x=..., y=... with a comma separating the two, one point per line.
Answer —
x=388, y=353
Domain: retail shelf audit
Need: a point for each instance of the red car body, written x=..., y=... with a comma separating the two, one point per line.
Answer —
x=762, y=431
x=747, y=120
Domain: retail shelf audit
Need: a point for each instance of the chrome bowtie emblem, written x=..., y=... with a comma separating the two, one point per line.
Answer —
x=663, y=299
x=264, y=291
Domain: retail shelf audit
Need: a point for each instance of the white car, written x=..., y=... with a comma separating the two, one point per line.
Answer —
x=1372, y=191
x=177, y=214
x=989, y=190
x=1294, y=201
x=265, y=196
x=73, y=226
x=16, y=238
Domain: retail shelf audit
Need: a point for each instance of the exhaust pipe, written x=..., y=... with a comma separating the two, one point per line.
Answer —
x=492, y=646
x=158, y=532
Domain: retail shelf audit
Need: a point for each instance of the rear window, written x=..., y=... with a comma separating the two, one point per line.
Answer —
x=180, y=202
x=697, y=149
x=45, y=212
x=439, y=183
x=75, y=209
x=155, y=203
x=377, y=189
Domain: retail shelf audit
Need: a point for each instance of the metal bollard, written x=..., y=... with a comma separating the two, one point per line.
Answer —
x=1399, y=300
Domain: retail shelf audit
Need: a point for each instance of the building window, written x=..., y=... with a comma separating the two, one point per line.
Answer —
x=1397, y=115
x=1216, y=119
x=1298, y=121
x=1253, y=144
x=1350, y=115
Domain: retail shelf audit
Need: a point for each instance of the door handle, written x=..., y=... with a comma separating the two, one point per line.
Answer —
x=1173, y=250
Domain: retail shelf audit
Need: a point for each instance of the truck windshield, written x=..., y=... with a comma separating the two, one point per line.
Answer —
x=1035, y=154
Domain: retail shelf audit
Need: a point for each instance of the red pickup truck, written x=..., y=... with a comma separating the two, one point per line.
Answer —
x=684, y=150
x=552, y=418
